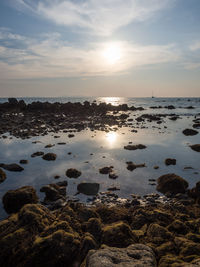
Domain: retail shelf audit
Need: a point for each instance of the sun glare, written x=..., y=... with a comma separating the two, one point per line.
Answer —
x=112, y=53
x=111, y=138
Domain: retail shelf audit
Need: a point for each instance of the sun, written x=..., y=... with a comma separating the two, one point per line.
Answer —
x=112, y=53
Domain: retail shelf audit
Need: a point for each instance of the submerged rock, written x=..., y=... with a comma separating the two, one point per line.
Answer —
x=73, y=173
x=54, y=192
x=113, y=175
x=132, y=166
x=190, y=132
x=170, y=162
x=89, y=189
x=49, y=146
x=134, y=147
x=14, y=200
x=106, y=170
x=37, y=154
x=49, y=156
x=2, y=176
x=195, y=147
x=196, y=125
x=132, y=256
x=12, y=167
x=171, y=183
x=23, y=161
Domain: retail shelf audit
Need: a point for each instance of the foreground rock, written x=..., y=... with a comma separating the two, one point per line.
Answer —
x=73, y=173
x=14, y=200
x=49, y=156
x=190, y=132
x=171, y=183
x=2, y=176
x=37, y=237
x=119, y=235
x=195, y=147
x=132, y=256
x=11, y=167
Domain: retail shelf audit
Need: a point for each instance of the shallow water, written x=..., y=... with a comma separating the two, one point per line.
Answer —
x=92, y=150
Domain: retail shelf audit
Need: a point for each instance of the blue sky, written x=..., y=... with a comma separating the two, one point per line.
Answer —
x=99, y=48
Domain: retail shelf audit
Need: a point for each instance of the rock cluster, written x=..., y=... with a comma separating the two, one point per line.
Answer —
x=132, y=235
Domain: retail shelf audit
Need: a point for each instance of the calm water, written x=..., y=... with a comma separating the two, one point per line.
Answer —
x=93, y=150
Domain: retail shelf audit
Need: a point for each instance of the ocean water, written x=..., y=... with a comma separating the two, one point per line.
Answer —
x=91, y=150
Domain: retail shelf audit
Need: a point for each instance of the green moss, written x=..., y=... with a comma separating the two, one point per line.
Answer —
x=57, y=225
x=138, y=233
x=178, y=227
x=36, y=217
x=158, y=234
x=118, y=235
x=190, y=248
x=166, y=248
x=169, y=261
x=57, y=249
x=193, y=237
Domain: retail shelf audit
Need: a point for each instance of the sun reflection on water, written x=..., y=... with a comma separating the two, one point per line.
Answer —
x=111, y=138
x=112, y=100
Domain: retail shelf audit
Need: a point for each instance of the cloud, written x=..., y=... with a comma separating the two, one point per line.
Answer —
x=102, y=17
x=192, y=65
x=195, y=46
x=53, y=57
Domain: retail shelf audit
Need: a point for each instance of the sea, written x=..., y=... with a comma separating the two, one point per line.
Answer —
x=92, y=150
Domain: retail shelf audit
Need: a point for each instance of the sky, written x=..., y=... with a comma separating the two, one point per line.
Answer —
x=129, y=48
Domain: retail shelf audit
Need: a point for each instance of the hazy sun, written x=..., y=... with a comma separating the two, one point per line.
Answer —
x=112, y=53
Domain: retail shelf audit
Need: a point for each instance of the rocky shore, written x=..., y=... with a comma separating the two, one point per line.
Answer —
x=39, y=118
x=150, y=231
x=153, y=230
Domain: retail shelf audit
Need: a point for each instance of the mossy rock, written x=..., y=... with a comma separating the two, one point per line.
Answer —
x=170, y=261
x=35, y=217
x=166, y=248
x=178, y=227
x=55, y=226
x=87, y=244
x=190, y=248
x=158, y=234
x=114, y=214
x=14, y=200
x=118, y=235
x=193, y=237
x=94, y=227
x=13, y=247
x=171, y=183
x=58, y=249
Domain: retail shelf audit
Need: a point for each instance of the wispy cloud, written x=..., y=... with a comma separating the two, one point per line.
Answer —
x=195, y=46
x=101, y=16
x=52, y=57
